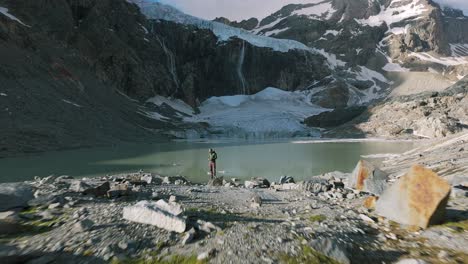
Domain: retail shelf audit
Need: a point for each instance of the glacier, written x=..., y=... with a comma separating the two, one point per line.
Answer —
x=253, y=116
x=160, y=11
x=270, y=113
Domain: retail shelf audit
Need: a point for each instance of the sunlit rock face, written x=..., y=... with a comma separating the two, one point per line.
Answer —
x=418, y=198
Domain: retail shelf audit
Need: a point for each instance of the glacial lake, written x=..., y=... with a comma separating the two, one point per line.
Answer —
x=243, y=160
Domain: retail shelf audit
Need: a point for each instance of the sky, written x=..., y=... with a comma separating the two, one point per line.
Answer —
x=244, y=9
x=233, y=9
x=460, y=4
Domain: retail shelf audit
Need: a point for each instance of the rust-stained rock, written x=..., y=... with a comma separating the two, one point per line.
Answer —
x=418, y=198
x=370, y=201
x=368, y=178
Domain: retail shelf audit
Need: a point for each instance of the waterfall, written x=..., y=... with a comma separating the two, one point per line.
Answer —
x=306, y=57
x=171, y=64
x=239, y=68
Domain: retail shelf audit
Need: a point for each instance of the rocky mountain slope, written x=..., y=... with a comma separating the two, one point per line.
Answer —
x=394, y=35
x=426, y=115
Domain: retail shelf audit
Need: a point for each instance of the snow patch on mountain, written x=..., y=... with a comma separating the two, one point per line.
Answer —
x=320, y=11
x=267, y=26
x=367, y=74
x=269, y=113
x=399, y=30
x=333, y=62
x=275, y=31
x=333, y=32
x=4, y=11
x=446, y=61
x=394, y=67
x=360, y=97
x=395, y=12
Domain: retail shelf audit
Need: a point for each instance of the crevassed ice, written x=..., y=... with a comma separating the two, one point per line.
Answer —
x=253, y=114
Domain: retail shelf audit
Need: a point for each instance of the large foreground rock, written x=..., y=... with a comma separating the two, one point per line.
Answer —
x=368, y=178
x=15, y=195
x=418, y=198
x=152, y=213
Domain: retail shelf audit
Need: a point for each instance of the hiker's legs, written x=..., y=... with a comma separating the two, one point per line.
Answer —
x=212, y=169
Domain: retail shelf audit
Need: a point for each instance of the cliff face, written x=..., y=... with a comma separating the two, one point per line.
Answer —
x=205, y=68
x=144, y=57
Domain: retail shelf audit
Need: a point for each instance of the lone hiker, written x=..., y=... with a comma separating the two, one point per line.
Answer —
x=212, y=158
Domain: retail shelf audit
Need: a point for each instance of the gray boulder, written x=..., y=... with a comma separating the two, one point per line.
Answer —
x=315, y=185
x=330, y=248
x=256, y=201
x=217, y=181
x=100, y=190
x=146, y=212
x=82, y=226
x=15, y=195
x=48, y=180
x=178, y=180
x=257, y=183
x=189, y=236
x=368, y=178
x=45, y=200
x=79, y=186
x=119, y=190
x=286, y=179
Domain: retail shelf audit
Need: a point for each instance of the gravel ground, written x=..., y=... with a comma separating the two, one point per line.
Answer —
x=281, y=230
